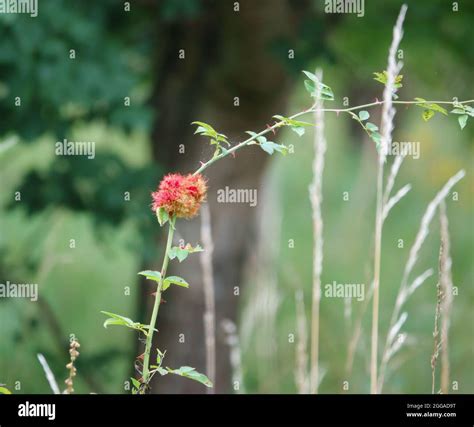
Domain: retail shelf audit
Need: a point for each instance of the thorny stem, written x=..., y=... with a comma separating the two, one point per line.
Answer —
x=278, y=124
x=156, y=306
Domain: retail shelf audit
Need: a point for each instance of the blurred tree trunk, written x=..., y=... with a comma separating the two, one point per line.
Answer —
x=227, y=55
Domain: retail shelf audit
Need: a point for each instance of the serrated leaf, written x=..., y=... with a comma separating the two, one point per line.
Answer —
x=135, y=383
x=270, y=147
x=371, y=127
x=427, y=114
x=311, y=76
x=462, y=121
x=152, y=275
x=267, y=146
x=177, y=252
x=469, y=110
x=162, y=371
x=314, y=85
x=160, y=356
x=162, y=216
x=292, y=122
x=310, y=87
x=431, y=107
x=377, y=138
x=191, y=373
x=174, y=280
x=383, y=78
x=298, y=130
x=204, y=129
x=182, y=252
x=364, y=115
x=118, y=320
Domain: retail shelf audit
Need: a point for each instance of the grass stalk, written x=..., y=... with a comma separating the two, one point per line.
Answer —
x=388, y=112
x=316, y=198
x=209, y=299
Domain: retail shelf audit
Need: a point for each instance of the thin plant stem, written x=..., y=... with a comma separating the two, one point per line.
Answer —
x=208, y=282
x=447, y=302
x=49, y=374
x=377, y=258
x=156, y=306
x=388, y=113
x=316, y=198
x=252, y=139
x=436, y=345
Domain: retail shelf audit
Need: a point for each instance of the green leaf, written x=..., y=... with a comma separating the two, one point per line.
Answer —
x=267, y=146
x=182, y=253
x=469, y=110
x=377, y=138
x=299, y=130
x=463, y=109
x=292, y=122
x=162, y=371
x=313, y=86
x=160, y=356
x=383, y=78
x=117, y=320
x=162, y=216
x=191, y=373
x=174, y=280
x=311, y=76
x=135, y=383
x=429, y=109
x=462, y=120
x=152, y=275
x=270, y=147
x=205, y=129
x=371, y=127
x=177, y=252
x=4, y=390
x=364, y=115
x=427, y=114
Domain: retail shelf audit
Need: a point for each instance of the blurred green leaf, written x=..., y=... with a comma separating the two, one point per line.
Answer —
x=462, y=120
x=4, y=390
x=191, y=373
x=151, y=274
x=162, y=216
x=174, y=280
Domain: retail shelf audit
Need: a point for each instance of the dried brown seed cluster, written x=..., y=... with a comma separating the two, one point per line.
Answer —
x=72, y=369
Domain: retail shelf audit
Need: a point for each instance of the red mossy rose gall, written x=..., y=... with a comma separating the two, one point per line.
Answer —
x=180, y=195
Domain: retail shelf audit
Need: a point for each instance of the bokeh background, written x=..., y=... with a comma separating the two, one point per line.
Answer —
x=255, y=54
